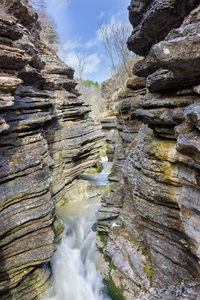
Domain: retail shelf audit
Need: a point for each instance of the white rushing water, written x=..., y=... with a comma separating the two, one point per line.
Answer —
x=75, y=275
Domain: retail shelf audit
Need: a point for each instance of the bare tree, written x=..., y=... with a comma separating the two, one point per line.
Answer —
x=80, y=65
x=40, y=5
x=91, y=92
x=48, y=33
x=114, y=36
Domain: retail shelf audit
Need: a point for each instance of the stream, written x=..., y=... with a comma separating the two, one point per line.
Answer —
x=74, y=265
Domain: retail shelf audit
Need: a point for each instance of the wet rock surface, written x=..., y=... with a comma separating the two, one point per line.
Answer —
x=47, y=139
x=157, y=159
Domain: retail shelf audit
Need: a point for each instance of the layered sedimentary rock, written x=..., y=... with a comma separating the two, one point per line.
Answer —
x=110, y=89
x=156, y=231
x=46, y=140
x=154, y=19
x=113, y=92
x=109, y=126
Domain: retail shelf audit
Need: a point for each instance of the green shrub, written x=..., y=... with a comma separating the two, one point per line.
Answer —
x=88, y=82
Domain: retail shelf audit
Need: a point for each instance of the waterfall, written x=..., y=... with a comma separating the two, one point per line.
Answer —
x=75, y=274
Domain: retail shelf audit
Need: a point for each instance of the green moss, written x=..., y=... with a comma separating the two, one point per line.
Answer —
x=143, y=248
x=150, y=133
x=94, y=170
x=103, y=238
x=114, y=292
x=161, y=148
x=90, y=171
x=112, y=174
x=103, y=150
x=99, y=167
x=148, y=270
x=107, y=190
x=58, y=228
x=167, y=169
x=176, y=284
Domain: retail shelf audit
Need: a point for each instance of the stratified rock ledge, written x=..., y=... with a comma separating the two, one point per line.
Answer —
x=47, y=140
x=149, y=224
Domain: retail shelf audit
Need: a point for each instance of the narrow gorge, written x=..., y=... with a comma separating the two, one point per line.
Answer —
x=74, y=226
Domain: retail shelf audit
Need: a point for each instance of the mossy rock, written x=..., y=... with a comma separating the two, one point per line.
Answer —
x=112, y=174
x=103, y=150
x=148, y=270
x=94, y=170
x=103, y=238
x=91, y=171
x=33, y=286
x=161, y=148
x=99, y=167
x=107, y=190
x=58, y=228
x=113, y=291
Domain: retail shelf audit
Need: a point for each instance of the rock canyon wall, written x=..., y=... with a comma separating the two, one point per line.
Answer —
x=46, y=140
x=150, y=223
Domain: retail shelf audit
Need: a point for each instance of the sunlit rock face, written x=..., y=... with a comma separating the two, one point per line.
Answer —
x=159, y=159
x=46, y=140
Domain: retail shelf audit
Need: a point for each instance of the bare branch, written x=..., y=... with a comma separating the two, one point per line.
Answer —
x=40, y=5
x=114, y=36
x=81, y=65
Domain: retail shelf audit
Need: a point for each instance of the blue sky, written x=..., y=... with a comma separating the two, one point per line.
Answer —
x=78, y=22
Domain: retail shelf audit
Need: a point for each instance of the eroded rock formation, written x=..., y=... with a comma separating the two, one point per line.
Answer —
x=152, y=219
x=46, y=140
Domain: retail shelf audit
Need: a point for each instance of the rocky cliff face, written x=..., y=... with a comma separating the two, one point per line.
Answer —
x=46, y=140
x=152, y=218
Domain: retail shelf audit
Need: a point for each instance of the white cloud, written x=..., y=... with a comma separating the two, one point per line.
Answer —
x=92, y=63
x=70, y=45
x=91, y=43
x=56, y=5
x=70, y=58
